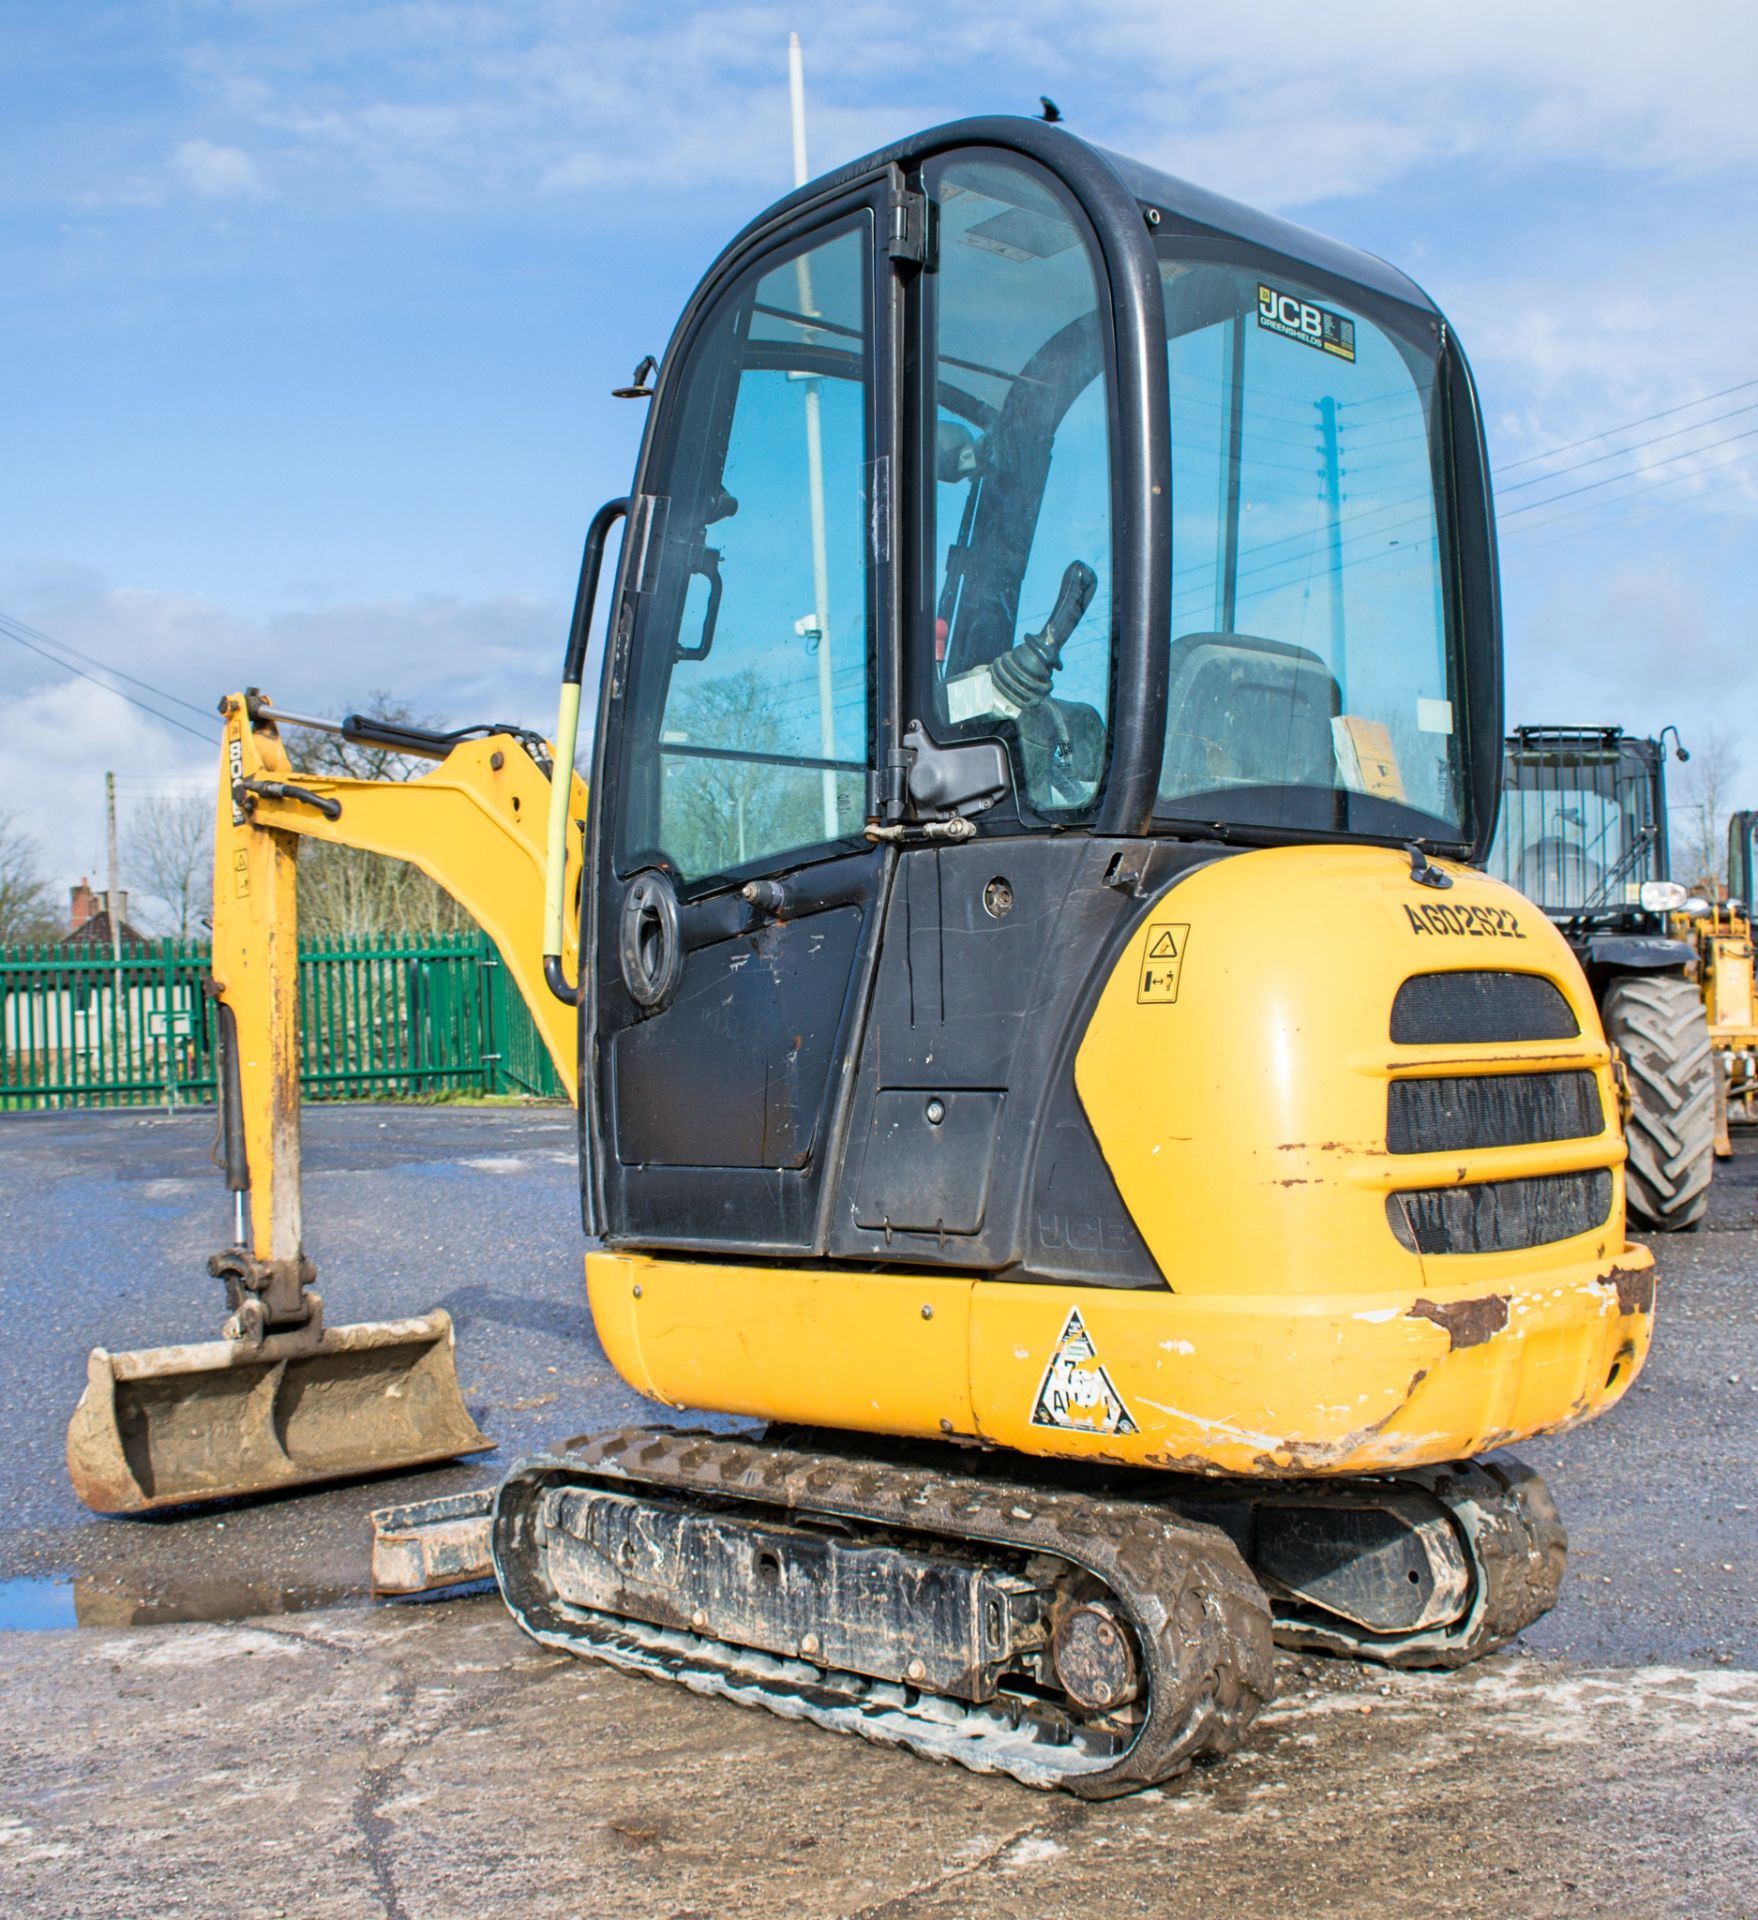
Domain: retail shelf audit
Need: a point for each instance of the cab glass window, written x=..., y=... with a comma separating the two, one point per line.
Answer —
x=1019, y=626
x=1577, y=828
x=746, y=743
x=1312, y=679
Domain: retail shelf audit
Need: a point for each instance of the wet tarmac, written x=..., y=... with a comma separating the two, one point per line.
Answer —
x=322, y=1755
x=106, y=1221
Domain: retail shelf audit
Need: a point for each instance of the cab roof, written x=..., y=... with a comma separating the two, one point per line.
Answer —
x=1074, y=160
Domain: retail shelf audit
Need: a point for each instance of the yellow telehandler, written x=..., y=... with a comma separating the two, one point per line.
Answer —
x=1045, y=1055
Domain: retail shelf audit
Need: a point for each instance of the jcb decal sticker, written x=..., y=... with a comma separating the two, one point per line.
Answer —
x=1076, y=1393
x=1303, y=320
x=1476, y=923
x=1162, y=964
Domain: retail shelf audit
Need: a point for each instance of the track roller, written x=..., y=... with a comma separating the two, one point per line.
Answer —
x=1066, y=1639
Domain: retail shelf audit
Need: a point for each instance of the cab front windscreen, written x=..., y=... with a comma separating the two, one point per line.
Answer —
x=1313, y=677
x=1576, y=831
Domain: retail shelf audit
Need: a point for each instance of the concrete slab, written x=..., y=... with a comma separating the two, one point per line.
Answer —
x=425, y=1762
x=428, y=1761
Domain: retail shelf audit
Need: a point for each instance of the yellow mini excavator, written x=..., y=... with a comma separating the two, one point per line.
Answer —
x=1045, y=1056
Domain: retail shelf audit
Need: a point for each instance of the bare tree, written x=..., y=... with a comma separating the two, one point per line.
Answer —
x=344, y=891
x=170, y=857
x=719, y=814
x=1704, y=790
x=27, y=905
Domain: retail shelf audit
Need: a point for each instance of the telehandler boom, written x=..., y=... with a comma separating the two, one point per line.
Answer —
x=1046, y=1057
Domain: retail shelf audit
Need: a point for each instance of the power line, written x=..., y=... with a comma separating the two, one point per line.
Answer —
x=91, y=660
x=207, y=739
x=1647, y=419
x=1655, y=483
x=1642, y=508
x=1617, y=453
x=1689, y=453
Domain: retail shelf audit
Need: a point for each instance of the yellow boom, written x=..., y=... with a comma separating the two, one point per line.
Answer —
x=280, y=1400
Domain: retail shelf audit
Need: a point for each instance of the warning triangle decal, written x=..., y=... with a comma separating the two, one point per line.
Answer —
x=1076, y=1393
x=1165, y=948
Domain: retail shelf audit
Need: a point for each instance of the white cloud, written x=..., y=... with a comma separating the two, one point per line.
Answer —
x=214, y=172
x=451, y=661
x=59, y=740
x=1271, y=99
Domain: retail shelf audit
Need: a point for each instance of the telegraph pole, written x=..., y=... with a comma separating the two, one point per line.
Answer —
x=113, y=899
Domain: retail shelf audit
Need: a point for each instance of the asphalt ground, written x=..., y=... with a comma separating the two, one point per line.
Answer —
x=340, y=1757
x=107, y=1219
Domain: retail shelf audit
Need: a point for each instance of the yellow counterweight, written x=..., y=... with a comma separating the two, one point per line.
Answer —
x=1238, y=1072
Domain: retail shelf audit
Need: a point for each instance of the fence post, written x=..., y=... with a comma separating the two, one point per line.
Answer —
x=168, y=1035
x=488, y=961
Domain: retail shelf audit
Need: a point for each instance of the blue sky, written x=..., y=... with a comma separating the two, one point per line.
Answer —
x=311, y=311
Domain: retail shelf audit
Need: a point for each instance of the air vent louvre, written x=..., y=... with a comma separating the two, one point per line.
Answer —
x=1453, y=1115
x=1501, y=1216
x=1480, y=1009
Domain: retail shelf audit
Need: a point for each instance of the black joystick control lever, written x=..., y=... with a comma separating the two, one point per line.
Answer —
x=1025, y=673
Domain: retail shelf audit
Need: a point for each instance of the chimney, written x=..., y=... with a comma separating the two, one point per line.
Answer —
x=84, y=904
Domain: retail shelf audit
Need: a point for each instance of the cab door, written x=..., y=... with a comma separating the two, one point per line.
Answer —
x=736, y=907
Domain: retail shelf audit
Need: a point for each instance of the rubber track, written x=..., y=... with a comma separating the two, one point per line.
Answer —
x=1201, y=1621
x=1657, y=1022
x=1514, y=1538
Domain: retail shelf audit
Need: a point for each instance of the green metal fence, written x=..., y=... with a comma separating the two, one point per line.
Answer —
x=380, y=1016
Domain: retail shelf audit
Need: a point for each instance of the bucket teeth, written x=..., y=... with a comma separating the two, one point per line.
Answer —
x=174, y=1426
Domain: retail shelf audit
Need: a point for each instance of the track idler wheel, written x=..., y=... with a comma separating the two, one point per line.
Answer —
x=1067, y=1639
x=1488, y=1529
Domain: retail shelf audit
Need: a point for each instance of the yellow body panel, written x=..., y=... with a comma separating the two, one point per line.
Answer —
x=1241, y=1107
x=1729, y=991
x=881, y=1353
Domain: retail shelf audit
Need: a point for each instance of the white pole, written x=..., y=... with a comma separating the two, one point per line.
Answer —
x=796, y=84
x=796, y=87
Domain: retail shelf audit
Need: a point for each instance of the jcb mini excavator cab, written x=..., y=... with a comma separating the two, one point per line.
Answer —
x=1037, y=994
x=1583, y=834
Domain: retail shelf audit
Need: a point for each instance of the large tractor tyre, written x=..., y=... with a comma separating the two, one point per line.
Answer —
x=1656, y=1021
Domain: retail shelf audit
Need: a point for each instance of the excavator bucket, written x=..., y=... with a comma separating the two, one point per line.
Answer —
x=166, y=1426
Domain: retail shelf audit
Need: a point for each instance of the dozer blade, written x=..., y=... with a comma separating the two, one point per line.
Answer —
x=167, y=1426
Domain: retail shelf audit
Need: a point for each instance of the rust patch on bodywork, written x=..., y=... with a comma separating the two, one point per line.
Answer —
x=1468, y=1322
x=1635, y=1287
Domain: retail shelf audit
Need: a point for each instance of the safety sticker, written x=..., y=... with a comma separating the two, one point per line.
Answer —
x=1163, y=962
x=1313, y=326
x=1076, y=1392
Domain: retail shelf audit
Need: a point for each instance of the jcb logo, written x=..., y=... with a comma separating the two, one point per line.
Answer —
x=1284, y=312
x=1305, y=321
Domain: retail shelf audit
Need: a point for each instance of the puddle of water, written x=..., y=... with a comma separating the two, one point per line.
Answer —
x=37, y=1606
x=45, y=1605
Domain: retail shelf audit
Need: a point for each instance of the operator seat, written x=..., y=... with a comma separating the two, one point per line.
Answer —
x=1559, y=873
x=1244, y=711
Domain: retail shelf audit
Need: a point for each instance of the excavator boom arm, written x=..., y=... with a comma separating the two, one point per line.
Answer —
x=280, y=1400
